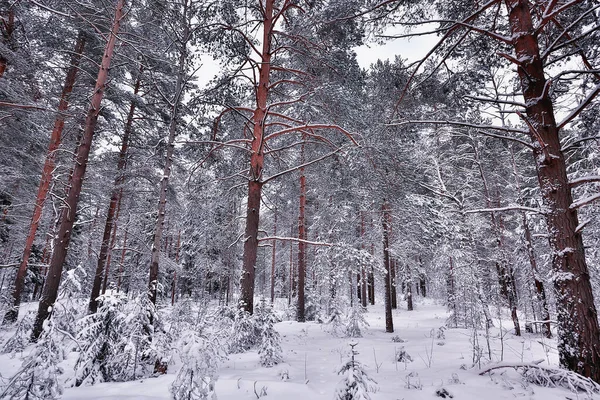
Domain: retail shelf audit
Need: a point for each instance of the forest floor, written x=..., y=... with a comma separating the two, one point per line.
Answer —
x=441, y=358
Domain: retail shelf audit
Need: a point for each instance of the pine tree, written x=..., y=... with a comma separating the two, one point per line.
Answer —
x=356, y=384
x=356, y=320
x=38, y=376
x=269, y=348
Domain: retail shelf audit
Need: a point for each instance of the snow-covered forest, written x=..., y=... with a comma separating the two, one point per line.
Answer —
x=204, y=198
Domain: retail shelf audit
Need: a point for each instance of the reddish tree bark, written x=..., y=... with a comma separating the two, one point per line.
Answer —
x=578, y=329
x=8, y=27
x=67, y=217
x=256, y=164
x=113, y=206
x=49, y=164
x=386, y=217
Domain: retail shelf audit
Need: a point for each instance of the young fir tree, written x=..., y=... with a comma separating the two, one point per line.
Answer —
x=201, y=354
x=356, y=384
x=356, y=320
x=38, y=376
x=269, y=348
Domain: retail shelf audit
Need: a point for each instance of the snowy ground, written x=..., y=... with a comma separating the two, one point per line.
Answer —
x=312, y=356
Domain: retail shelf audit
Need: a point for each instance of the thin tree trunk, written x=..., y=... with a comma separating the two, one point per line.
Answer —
x=49, y=164
x=256, y=165
x=122, y=261
x=164, y=183
x=273, y=259
x=393, y=282
x=389, y=322
x=67, y=217
x=302, y=245
x=578, y=329
x=408, y=280
x=114, y=204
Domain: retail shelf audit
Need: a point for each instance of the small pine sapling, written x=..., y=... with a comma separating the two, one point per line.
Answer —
x=99, y=335
x=356, y=320
x=335, y=320
x=66, y=310
x=201, y=355
x=244, y=332
x=356, y=384
x=21, y=338
x=269, y=348
x=38, y=376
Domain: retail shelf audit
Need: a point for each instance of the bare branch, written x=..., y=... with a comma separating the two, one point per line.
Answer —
x=291, y=239
x=507, y=208
x=584, y=202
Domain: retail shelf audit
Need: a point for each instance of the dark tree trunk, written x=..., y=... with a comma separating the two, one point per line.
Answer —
x=389, y=321
x=409, y=296
x=67, y=217
x=115, y=199
x=273, y=259
x=393, y=282
x=49, y=164
x=302, y=245
x=578, y=329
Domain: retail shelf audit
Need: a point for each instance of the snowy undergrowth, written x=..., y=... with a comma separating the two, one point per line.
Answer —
x=442, y=362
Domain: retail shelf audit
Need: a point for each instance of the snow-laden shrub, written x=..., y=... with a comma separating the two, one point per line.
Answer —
x=335, y=320
x=356, y=384
x=66, y=311
x=244, y=332
x=122, y=341
x=269, y=348
x=356, y=320
x=38, y=376
x=100, y=334
x=21, y=338
x=201, y=355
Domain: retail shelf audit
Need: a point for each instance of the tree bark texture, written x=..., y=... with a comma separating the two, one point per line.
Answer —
x=67, y=216
x=273, y=259
x=302, y=245
x=115, y=199
x=8, y=27
x=49, y=164
x=578, y=329
x=256, y=165
x=386, y=217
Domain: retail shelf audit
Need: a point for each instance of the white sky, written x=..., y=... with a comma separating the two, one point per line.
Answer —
x=411, y=49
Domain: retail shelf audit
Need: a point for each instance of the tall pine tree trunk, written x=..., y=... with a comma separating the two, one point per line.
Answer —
x=273, y=256
x=172, y=132
x=115, y=199
x=49, y=164
x=67, y=217
x=256, y=165
x=578, y=329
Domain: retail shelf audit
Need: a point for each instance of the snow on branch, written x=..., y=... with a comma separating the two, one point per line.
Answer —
x=580, y=107
x=585, y=201
x=270, y=178
x=574, y=144
x=459, y=123
x=292, y=239
x=507, y=208
x=550, y=377
x=583, y=180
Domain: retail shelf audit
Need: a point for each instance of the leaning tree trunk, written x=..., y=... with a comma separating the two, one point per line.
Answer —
x=67, y=217
x=389, y=322
x=115, y=199
x=55, y=140
x=578, y=329
x=256, y=166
